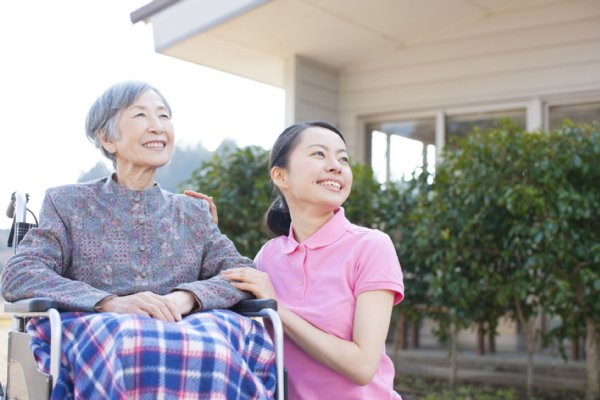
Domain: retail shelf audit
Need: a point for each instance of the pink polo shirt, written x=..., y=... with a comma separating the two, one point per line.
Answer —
x=320, y=280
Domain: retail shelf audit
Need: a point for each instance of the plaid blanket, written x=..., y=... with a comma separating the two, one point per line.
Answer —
x=215, y=354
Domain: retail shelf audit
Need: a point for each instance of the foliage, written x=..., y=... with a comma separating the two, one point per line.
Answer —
x=183, y=162
x=511, y=223
x=363, y=206
x=415, y=388
x=573, y=227
x=529, y=206
x=238, y=181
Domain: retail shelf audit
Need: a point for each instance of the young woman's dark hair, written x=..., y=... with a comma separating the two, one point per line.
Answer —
x=278, y=218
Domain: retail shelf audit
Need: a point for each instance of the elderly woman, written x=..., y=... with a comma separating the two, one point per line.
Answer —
x=138, y=269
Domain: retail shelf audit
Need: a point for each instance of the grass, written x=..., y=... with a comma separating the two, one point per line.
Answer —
x=411, y=388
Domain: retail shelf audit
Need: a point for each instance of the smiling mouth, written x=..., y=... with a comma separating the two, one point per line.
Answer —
x=330, y=184
x=155, y=145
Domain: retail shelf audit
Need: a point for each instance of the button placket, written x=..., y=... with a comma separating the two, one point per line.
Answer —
x=139, y=225
x=302, y=279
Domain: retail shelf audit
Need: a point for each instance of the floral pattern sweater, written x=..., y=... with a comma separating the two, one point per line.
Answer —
x=98, y=239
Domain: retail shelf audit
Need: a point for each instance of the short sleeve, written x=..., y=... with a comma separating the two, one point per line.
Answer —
x=377, y=266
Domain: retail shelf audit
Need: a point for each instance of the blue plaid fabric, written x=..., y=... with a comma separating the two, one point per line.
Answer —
x=214, y=354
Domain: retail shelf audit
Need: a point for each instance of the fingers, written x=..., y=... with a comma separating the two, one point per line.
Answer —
x=251, y=280
x=196, y=195
x=156, y=306
x=183, y=302
x=144, y=303
x=211, y=203
x=240, y=274
x=173, y=308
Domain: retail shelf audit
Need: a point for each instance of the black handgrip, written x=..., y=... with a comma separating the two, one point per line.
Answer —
x=254, y=305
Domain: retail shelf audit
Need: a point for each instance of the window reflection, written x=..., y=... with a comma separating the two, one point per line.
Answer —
x=379, y=155
x=461, y=124
x=402, y=147
x=588, y=113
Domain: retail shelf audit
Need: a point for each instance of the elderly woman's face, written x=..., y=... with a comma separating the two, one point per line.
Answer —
x=145, y=133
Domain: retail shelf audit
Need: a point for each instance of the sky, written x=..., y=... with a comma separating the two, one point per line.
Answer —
x=58, y=56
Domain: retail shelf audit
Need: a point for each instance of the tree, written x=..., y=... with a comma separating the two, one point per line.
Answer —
x=239, y=182
x=572, y=172
x=443, y=240
x=513, y=219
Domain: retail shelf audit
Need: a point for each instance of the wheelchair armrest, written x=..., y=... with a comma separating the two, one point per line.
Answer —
x=33, y=305
x=254, y=305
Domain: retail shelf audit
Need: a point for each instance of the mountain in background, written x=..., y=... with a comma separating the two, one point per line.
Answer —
x=170, y=177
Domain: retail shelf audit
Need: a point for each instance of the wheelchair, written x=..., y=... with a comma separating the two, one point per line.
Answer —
x=25, y=381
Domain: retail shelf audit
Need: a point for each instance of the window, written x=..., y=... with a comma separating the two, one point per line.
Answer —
x=401, y=147
x=579, y=113
x=461, y=124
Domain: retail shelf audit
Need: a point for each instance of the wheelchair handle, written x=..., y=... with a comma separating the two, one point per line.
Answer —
x=251, y=306
x=17, y=208
x=10, y=211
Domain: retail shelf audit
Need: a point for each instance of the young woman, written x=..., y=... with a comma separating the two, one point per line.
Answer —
x=335, y=282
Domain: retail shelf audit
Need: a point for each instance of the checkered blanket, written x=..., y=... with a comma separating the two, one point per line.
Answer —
x=214, y=354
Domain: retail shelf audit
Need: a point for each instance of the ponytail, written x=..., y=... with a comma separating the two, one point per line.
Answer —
x=278, y=219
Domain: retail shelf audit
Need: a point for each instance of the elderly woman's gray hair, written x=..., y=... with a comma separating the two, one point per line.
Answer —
x=104, y=113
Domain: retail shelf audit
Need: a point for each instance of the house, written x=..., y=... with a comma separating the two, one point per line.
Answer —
x=399, y=77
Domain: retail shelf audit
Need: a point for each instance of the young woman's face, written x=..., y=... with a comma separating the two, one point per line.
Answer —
x=145, y=133
x=318, y=172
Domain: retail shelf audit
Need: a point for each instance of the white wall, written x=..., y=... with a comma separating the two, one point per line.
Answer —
x=312, y=91
x=525, y=56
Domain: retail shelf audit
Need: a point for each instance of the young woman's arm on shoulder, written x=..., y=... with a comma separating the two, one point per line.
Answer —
x=359, y=358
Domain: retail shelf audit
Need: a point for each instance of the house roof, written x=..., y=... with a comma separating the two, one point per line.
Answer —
x=253, y=38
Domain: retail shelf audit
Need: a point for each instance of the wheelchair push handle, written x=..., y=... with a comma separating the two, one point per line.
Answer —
x=17, y=208
x=10, y=211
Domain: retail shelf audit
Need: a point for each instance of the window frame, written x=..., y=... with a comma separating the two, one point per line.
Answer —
x=537, y=116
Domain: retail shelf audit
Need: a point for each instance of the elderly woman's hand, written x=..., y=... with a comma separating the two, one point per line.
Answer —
x=211, y=203
x=251, y=280
x=168, y=308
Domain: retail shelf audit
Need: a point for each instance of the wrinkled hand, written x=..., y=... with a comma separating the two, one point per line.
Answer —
x=211, y=203
x=168, y=308
x=251, y=280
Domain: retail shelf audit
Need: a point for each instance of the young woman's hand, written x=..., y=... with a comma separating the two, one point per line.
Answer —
x=211, y=203
x=251, y=280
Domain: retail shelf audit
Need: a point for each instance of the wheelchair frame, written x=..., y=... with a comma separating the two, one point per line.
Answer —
x=21, y=358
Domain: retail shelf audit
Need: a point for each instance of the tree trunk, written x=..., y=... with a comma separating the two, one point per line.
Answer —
x=453, y=354
x=492, y=337
x=480, y=339
x=528, y=326
x=575, y=351
x=415, y=334
x=399, y=335
x=591, y=351
x=530, y=350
